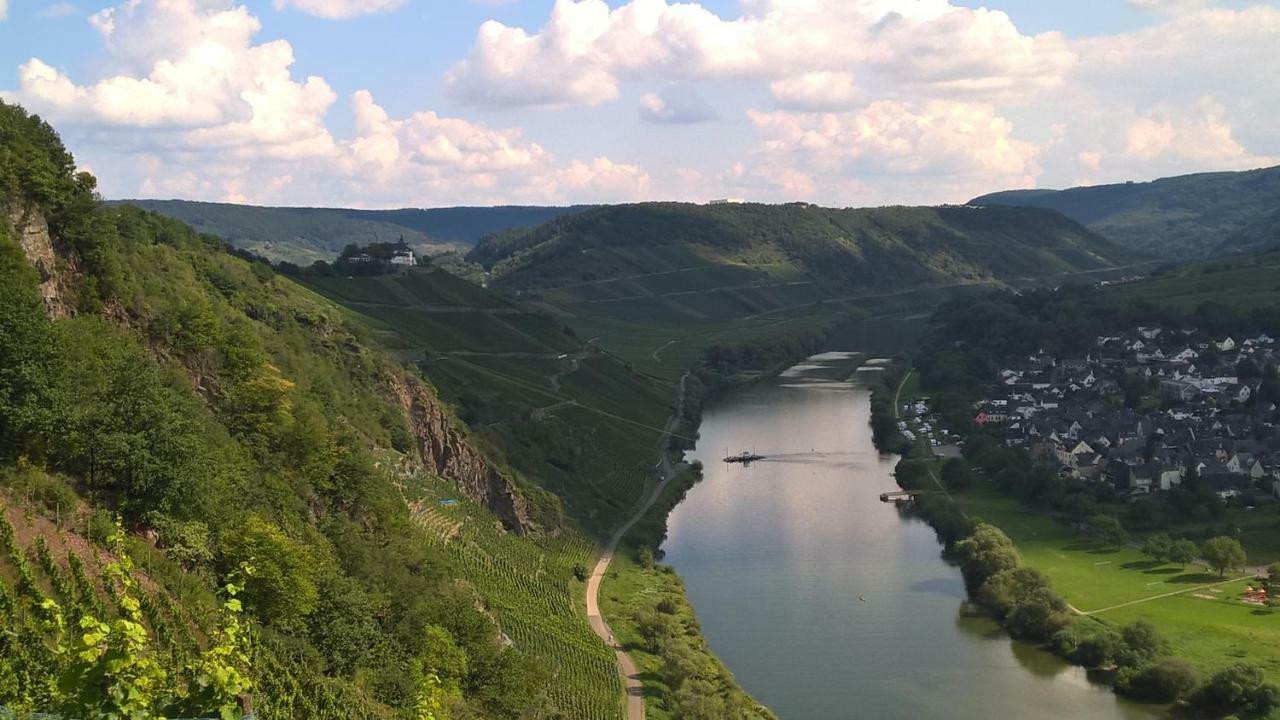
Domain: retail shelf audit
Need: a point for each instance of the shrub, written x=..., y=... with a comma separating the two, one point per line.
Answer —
x=1169, y=680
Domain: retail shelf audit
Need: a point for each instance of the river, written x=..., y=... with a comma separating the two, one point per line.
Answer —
x=826, y=603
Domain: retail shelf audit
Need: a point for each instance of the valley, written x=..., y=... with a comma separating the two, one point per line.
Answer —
x=423, y=489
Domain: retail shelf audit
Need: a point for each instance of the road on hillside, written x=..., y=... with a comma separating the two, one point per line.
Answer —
x=631, y=683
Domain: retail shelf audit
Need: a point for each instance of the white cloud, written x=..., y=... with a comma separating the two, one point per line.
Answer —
x=1179, y=96
x=948, y=149
x=602, y=180
x=585, y=50
x=676, y=106
x=4, y=9
x=822, y=90
x=192, y=107
x=339, y=9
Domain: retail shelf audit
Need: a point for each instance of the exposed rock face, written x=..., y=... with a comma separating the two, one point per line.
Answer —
x=446, y=451
x=57, y=274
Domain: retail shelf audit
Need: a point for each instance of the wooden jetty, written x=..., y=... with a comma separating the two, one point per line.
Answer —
x=901, y=495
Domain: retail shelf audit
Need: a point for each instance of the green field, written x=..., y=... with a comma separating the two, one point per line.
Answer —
x=1199, y=614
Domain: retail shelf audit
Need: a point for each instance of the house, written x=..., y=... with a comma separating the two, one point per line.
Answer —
x=1171, y=476
x=1226, y=345
x=403, y=257
x=360, y=258
x=1238, y=392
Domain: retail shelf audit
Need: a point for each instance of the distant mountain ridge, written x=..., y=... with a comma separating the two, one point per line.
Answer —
x=1185, y=217
x=304, y=235
x=836, y=249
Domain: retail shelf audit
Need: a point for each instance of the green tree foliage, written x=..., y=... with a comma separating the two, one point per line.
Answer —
x=986, y=553
x=1238, y=688
x=283, y=588
x=25, y=345
x=1157, y=547
x=1169, y=680
x=229, y=414
x=1183, y=552
x=957, y=474
x=1107, y=530
x=1223, y=554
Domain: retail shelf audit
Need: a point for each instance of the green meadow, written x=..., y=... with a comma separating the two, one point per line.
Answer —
x=1200, y=615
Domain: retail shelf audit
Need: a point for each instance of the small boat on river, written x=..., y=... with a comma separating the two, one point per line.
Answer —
x=743, y=458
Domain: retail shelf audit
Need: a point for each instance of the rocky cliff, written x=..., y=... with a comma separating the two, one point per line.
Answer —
x=57, y=271
x=446, y=451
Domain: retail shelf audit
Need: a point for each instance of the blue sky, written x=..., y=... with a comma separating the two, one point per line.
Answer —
x=850, y=102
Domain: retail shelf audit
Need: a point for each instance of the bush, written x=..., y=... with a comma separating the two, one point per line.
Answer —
x=1231, y=689
x=1167, y=681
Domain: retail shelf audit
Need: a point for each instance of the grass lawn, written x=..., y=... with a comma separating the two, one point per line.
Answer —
x=1207, y=626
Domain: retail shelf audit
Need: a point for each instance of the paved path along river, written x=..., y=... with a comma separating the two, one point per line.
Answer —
x=827, y=603
x=631, y=683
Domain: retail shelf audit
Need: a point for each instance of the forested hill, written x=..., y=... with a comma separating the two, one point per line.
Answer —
x=303, y=525
x=1187, y=217
x=840, y=251
x=304, y=235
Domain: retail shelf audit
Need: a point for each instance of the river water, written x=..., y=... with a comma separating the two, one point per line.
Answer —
x=826, y=603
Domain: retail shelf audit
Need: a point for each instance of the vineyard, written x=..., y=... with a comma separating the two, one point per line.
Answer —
x=76, y=575
x=530, y=585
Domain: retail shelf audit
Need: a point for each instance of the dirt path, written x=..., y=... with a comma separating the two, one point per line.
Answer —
x=1168, y=595
x=632, y=685
x=897, y=396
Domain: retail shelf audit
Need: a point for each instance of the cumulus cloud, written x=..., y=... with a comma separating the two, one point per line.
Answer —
x=4, y=9
x=193, y=106
x=822, y=90
x=339, y=9
x=676, y=106
x=1179, y=96
x=585, y=50
x=956, y=147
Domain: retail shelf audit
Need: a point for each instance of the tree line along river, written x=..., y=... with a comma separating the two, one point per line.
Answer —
x=823, y=601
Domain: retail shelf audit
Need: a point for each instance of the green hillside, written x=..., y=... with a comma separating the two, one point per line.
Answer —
x=304, y=235
x=659, y=283
x=1187, y=217
x=578, y=419
x=251, y=434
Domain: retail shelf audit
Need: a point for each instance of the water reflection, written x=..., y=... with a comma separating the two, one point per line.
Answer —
x=820, y=598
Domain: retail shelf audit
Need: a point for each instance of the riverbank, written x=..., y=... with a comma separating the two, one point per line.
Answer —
x=654, y=621
x=1125, y=648
x=822, y=599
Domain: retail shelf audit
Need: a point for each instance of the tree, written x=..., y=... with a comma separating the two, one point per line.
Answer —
x=283, y=588
x=1182, y=552
x=1273, y=573
x=957, y=475
x=1107, y=530
x=985, y=553
x=1157, y=547
x=1232, y=688
x=1140, y=643
x=1223, y=554
x=1167, y=681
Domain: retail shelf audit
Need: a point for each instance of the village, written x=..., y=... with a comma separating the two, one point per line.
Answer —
x=1145, y=411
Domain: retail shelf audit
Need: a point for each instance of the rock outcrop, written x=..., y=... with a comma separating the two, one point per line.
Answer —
x=57, y=271
x=446, y=451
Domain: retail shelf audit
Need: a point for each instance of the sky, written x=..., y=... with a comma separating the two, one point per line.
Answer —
x=429, y=103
